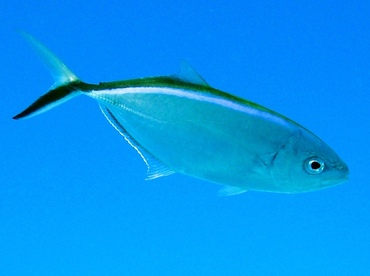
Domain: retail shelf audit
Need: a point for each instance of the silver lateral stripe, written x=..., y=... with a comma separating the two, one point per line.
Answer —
x=193, y=96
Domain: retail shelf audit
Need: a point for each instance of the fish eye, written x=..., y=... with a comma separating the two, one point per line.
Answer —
x=314, y=165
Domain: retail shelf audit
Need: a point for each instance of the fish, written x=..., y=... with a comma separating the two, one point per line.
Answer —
x=181, y=124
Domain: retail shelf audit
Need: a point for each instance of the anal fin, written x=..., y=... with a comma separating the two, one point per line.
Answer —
x=156, y=168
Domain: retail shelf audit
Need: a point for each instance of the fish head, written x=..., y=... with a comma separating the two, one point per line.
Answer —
x=305, y=163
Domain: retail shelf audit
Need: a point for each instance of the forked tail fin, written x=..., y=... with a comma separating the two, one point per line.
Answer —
x=64, y=88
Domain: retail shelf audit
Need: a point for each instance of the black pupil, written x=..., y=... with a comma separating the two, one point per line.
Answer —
x=315, y=165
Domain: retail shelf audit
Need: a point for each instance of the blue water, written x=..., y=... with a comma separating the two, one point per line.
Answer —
x=73, y=199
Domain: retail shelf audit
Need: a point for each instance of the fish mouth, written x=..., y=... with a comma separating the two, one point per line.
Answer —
x=335, y=180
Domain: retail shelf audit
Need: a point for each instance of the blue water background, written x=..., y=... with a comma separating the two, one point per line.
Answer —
x=73, y=199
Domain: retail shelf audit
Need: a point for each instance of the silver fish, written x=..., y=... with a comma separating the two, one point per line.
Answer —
x=181, y=124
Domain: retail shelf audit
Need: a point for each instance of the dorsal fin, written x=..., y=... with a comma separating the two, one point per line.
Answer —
x=60, y=73
x=188, y=74
x=155, y=167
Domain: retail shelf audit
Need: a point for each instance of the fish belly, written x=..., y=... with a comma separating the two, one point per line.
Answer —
x=208, y=139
